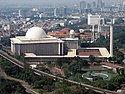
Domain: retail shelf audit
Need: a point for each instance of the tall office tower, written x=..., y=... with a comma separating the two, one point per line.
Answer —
x=88, y=6
x=63, y=11
x=122, y=6
x=99, y=4
x=55, y=12
x=123, y=2
x=83, y=5
x=26, y=12
x=34, y=12
x=94, y=4
x=94, y=20
x=19, y=13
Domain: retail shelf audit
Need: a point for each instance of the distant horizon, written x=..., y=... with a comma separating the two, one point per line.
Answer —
x=48, y=2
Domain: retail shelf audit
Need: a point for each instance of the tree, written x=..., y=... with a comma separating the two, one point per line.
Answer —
x=74, y=67
x=61, y=61
x=5, y=41
x=114, y=83
x=122, y=71
x=99, y=82
x=47, y=88
x=79, y=61
x=119, y=57
x=110, y=59
x=118, y=70
x=26, y=66
x=58, y=91
x=76, y=90
x=11, y=87
x=91, y=59
x=119, y=21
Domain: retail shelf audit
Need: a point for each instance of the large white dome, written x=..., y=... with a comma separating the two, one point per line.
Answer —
x=35, y=33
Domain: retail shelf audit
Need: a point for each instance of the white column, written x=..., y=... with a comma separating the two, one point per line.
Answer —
x=103, y=21
x=59, y=48
x=11, y=47
x=19, y=13
x=99, y=29
x=62, y=48
x=19, y=49
x=93, y=33
x=111, y=40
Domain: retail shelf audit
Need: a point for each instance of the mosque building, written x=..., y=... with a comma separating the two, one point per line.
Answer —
x=36, y=41
x=36, y=45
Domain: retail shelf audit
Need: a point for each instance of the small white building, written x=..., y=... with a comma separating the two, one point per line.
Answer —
x=94, y=19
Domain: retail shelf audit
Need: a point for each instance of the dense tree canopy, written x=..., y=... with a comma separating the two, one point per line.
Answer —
x=41, y=82
x=11, y=87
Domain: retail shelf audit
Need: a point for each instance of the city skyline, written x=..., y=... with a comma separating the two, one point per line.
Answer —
x=42, y=2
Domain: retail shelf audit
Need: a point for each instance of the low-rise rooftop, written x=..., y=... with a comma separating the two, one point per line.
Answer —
x=24, y=40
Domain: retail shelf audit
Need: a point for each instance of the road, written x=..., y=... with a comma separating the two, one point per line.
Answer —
x=23, y=83
x=38, y=72
x=2, y=73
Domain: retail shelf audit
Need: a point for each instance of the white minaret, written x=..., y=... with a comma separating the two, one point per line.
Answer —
x=19, y=13
x=55, y=12
x=72, y=33
x=111, y=38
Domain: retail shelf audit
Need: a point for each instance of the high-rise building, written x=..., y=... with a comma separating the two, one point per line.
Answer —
x=94, y=4
x=88, y=5
x=83, y=5
x=55, y=12
x=19, y=13
x=26, y=12
x=94, y=20
x=63, y=11
x=123, y=2
x=99, y=4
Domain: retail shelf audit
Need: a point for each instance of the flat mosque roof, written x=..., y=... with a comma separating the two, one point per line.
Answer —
x=96, y=51
x=24, y=40
x=72, y=53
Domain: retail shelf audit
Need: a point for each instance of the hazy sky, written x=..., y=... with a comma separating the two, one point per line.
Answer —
x=4, y=2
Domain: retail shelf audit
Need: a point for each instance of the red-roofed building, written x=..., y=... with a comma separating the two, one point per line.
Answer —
x=111, y=66
x=86, y=36
x=64, y=33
